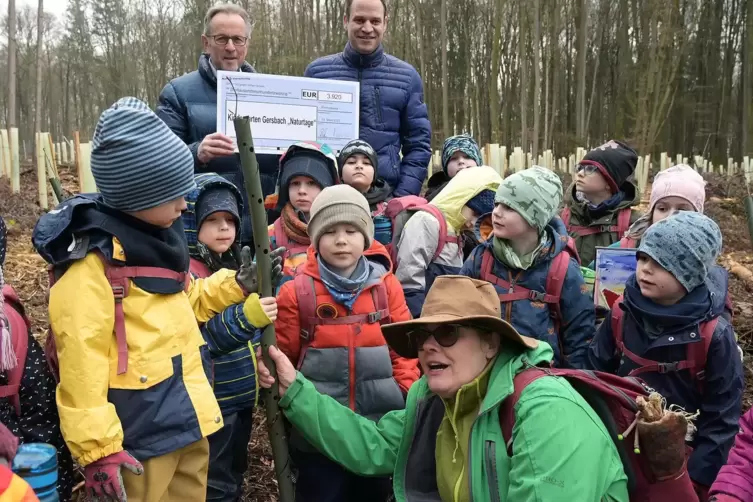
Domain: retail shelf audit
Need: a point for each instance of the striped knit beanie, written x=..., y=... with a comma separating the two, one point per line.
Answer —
x=460, y=143
x=686, y=245
x=137, y=161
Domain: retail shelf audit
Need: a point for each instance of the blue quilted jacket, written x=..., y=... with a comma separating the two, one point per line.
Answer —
x=393, y=112
x=533, y=318
x=188, y=105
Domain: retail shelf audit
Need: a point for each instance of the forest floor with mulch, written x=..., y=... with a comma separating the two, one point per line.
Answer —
x=26, y=271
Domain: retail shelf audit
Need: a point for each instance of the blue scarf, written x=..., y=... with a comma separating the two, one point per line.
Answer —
x=344, y=290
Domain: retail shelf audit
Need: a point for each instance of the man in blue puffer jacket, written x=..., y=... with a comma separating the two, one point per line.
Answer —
x=188, y=104
x=393, y=113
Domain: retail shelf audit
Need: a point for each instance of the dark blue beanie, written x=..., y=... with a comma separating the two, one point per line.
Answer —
x=482, y=203
x=137, y=161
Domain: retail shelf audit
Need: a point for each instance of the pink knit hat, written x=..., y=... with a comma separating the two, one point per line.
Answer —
x=679, y=181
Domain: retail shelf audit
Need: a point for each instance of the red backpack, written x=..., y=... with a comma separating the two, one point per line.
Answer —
x=623, y=224
x=695, y=358
x=613, y=399
x=19, y=332
x=399, y=211
x=555, y=280
x=311, y=316
x=118, y=277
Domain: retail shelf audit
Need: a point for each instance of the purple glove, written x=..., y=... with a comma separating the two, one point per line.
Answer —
x=103, y=479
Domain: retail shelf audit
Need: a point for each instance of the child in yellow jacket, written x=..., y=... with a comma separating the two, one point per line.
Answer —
x=134, y=389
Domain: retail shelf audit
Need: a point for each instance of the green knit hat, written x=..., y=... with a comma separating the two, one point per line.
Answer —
x=535, y=194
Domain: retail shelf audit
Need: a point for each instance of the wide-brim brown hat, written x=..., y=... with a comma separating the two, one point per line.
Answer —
x=456, y=299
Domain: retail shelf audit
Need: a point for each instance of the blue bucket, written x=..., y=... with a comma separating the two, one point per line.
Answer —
x=37, y=463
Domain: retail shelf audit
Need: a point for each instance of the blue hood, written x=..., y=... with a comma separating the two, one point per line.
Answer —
x=205, y=181
x=702, y=304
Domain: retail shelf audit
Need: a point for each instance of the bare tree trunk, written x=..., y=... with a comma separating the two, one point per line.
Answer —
x=746, y=119
x=445, y=76
x=537, y=76
x=523, y=76
x=38, y=100
x=11, y=119
x=496, y=60
x=580, y=72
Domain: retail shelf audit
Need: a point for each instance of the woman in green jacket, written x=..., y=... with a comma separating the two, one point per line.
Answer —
x=447, y=444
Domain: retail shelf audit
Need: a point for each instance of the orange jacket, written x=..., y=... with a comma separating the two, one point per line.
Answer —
x=340, y=355
x=13, y=488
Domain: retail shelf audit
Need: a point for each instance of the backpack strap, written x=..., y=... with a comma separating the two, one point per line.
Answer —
x=565, y=217
x=623, y=221
x=698, y=352
x=19, y=332
x=516, y=292
x=507, y=408
x=623, y=224
x=306, y=294
x=119, y=277
x=444, y=237
x=555, y=280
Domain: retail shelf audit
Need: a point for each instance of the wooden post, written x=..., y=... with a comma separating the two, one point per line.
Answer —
x=503, y=159
x=663, y=161
x=747, y=166
x=41, y=170
x=87, y=180
x=646, y=172
x=64, y=152
x=53, y=157
x=492, y=156
x=4, y=162
x=15, y=165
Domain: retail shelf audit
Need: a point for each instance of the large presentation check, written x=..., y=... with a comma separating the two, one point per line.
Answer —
x=284, y=110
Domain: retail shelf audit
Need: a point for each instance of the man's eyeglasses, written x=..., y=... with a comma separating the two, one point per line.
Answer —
x=586, y=168
x=223, y=40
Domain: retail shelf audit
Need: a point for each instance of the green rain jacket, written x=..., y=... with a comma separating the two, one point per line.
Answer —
x=563, y=451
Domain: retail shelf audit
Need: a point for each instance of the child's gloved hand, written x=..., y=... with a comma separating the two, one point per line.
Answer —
x=269, y=307
x=103, y=478
x=246, y=276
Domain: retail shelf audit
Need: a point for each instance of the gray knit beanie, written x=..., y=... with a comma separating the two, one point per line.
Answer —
x=686, y=245
x=137, y=161
x=340, y=204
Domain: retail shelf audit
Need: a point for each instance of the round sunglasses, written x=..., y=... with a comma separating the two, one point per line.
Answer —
x=446, y=335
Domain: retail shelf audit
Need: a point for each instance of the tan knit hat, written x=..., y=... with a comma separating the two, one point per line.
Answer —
x=340, y=204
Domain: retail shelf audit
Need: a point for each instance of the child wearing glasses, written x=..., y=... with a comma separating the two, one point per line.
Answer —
x=599, y=204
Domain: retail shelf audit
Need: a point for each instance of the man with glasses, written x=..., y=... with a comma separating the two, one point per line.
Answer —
x=188, y=104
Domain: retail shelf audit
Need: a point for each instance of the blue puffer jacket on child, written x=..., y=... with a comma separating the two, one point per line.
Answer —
x=534, y=318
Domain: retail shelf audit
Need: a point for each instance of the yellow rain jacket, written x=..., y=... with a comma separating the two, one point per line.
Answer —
x=419, y=239
x=164, y=401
